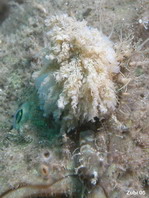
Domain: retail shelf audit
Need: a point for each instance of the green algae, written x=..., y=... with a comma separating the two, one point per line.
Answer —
x=139, y=71
x=15, y=80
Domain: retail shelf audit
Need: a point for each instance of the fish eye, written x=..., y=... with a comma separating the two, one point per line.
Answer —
x=19, y=115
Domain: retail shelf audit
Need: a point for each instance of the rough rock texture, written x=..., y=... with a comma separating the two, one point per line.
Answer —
x=125, y=154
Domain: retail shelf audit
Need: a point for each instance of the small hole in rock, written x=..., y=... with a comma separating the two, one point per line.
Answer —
x=46, y=154
x=142, y=95
x=44, y=170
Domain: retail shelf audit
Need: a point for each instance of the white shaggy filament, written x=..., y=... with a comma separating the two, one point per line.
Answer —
x=78, y=80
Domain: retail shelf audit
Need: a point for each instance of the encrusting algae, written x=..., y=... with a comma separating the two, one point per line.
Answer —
x=77, y=83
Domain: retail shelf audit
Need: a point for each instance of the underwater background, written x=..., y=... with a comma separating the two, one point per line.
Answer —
x=33, y=153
